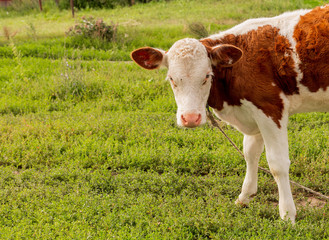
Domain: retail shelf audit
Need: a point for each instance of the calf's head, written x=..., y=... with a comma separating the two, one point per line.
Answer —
x=190, y=73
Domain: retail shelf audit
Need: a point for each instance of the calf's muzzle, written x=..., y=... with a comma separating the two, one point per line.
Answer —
x=191, y=120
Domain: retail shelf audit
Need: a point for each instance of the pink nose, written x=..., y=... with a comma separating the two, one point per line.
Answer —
x=191, y=120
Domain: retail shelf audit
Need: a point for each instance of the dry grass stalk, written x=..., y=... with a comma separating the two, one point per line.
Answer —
x=7, y=34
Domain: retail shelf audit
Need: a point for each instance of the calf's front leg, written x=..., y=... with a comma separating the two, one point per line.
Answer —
x=253, y=147
x=277, y=154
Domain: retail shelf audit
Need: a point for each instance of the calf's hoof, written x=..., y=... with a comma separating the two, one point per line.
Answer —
x=244, y=201
x=240, y=204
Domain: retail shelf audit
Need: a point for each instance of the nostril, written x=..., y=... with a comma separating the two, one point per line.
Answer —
x=183, y=119
x=198, y=119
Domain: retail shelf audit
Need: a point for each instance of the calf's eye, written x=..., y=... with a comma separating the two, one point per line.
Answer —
x=172, y=82
x=206, y=79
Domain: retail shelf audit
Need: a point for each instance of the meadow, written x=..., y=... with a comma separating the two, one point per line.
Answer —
x=89, y=143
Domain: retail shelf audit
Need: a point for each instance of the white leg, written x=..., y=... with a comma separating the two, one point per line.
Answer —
x=253, y=147
x=277, y=153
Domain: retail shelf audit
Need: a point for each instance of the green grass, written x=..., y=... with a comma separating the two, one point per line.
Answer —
x=90, y=148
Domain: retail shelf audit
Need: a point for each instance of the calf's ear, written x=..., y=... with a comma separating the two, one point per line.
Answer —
x=225, y=55
x=149, y=58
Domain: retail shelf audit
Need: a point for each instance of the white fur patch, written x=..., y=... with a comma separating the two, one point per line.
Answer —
x=187, y=48
x=308, y=101
x=286, y=22
x=189, y=65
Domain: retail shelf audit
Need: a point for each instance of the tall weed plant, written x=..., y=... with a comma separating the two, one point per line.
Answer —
x=31, y=31
x=19, y=69
x=93, y=33
x=89, y=27
x=72, y=83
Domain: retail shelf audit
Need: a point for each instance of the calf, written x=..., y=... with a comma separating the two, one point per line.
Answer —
x=254, y=76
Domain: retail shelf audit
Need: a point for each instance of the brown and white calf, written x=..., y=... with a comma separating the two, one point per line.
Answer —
x=254, y=76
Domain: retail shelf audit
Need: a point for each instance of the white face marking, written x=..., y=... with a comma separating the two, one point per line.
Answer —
x=190, y=76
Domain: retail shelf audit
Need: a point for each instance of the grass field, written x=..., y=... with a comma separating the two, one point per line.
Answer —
x=89, y=143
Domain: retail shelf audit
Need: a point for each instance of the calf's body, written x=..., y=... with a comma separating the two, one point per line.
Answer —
x=254, y=76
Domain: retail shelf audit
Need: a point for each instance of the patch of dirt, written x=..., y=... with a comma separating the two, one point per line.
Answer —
x=312, y=202
x=309, y=201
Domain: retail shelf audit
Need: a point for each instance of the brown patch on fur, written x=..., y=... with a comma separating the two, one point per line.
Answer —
x=312, y=37
x=265, y=70
x=225, y=55
x=147, y=57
